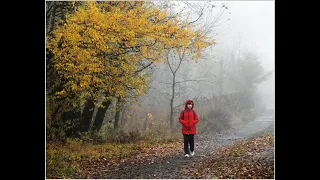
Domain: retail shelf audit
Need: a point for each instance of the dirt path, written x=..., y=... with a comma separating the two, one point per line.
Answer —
x=170, y=168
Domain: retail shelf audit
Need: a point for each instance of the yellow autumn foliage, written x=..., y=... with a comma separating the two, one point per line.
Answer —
x=101, y=46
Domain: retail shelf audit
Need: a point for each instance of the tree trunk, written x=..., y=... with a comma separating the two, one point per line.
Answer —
x=87, y=116
x=172, y=99
x=122, y=115
x=52, y=16
x=100, y=115
x=117, y=116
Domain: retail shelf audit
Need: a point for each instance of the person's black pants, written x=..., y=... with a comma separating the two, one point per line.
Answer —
x=188, y=139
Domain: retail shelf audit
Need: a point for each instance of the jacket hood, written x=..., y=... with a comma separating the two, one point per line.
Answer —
x=185, y=105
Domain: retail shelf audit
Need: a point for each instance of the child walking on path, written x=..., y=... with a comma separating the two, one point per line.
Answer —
x=188, y=118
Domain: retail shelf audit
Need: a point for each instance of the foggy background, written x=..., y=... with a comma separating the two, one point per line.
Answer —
x=231, y=83
x=118, y=74
x=241, y=27
x=253, y=22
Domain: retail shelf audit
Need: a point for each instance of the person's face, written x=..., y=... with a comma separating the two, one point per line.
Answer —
x=189, y=106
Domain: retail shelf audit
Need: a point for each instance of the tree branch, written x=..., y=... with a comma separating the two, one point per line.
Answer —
x=143, y=68
x=190, y=80
x=167, y=56
x=164, y=82
x=178, y=105
x=160, y=91
x=181, y=58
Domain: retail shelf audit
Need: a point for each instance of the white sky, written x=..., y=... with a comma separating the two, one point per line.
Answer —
x=254, y=23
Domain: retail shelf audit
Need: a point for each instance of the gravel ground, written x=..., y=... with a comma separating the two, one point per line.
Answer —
x=170, y=167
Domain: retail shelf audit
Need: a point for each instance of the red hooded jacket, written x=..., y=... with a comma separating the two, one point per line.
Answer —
x=189, y=119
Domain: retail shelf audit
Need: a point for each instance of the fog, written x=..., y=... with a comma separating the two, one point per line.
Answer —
x=231, y=82
x=241, y=27
x=120, y=76
x=253, y=24
x=247, y=26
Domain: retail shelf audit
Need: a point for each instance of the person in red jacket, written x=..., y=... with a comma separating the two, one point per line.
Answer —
x=188, y=118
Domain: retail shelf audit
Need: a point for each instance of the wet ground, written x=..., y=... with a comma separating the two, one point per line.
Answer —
x=170, y=168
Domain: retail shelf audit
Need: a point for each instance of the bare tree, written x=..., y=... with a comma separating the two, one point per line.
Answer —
x=197, y=11
x=174, y=71
x=179, y=86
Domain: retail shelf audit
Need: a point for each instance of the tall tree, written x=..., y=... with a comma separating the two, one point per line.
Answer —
x=99, y=48
x=204, y=31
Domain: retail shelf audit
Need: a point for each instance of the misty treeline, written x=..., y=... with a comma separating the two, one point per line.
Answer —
x=119, y=71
